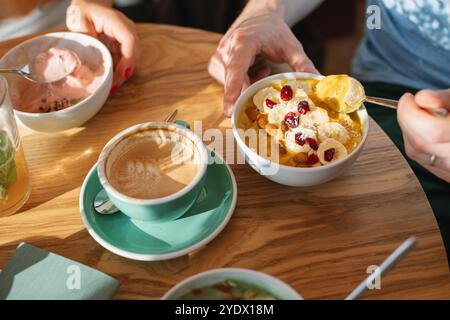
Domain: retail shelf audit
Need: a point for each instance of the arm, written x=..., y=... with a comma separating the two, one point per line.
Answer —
x=100, y=20
x=291, y=11
x=259, y=32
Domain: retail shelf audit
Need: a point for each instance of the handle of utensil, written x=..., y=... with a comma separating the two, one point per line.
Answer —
x=387, y=264
x=171, y=115
x=392, y=104
x=171, y=118
x=389, y=103
x=3, y=70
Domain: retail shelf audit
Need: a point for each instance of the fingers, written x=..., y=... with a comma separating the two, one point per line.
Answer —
x=77, y=21
x=123, y=31
x=240, y=59
x=98, y=20
x=296, y=57
x=422, y=147
x=425, y=134
x=216, y=68
x=418, y=122
x=441, y=167
x=433, y=99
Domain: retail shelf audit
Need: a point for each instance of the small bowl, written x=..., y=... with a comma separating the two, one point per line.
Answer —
x=90, y=51
x=276, y=287
x=286, y=175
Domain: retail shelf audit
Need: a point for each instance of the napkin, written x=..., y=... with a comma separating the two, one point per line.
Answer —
x=33, y=273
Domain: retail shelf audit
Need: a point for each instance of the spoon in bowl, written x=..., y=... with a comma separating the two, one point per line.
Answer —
x=345, y=94
x=49, y=66
x=102, y=204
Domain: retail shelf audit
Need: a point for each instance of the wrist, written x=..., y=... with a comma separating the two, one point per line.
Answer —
x=273, y=7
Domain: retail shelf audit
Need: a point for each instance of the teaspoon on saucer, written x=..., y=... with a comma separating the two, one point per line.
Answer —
x=102, y=204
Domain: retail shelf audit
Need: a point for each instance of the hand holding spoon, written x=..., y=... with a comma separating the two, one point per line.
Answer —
x=345, y=95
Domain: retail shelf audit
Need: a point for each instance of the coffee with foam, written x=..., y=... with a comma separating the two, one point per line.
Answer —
x=152, y=164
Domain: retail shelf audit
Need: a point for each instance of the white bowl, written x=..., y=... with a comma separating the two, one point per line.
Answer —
x=274, y=286
x=286, y=175
x=90, y=50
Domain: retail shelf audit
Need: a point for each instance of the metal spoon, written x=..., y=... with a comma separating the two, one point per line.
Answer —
x=393, y=104
x=28, y=74
x=102, y=204
x=333, y=86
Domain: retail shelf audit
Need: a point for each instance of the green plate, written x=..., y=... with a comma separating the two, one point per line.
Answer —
x=146, y=241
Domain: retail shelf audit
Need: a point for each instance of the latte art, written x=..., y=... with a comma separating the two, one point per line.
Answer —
x=153, y=165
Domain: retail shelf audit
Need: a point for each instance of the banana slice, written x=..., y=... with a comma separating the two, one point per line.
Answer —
x=342, y=93
x=291, y=143
x=293, y=103
x=316, y=117
x=301, y=88
x=277, y=113
x=305, y=86
x=333, y=130
x=319, y=116
x=331, y=150
x=259, y=99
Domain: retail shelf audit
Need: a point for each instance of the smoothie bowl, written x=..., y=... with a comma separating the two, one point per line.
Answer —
x=70, y=102
x=292, y=137
x=231, y=284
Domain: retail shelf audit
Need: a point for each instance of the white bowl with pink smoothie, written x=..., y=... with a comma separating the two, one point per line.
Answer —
x=70, y=102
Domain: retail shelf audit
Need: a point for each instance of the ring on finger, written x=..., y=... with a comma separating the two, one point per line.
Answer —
x=433, y=159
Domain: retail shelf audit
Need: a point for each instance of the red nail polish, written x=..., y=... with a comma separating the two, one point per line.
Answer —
x=127, y=73
x=113, y=90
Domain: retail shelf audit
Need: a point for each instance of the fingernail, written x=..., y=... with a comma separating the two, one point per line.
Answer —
x=127, y=73
x=113, y=90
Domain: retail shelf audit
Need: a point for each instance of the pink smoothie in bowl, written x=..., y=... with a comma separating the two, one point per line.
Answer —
x=48, y=97
x=69, y=102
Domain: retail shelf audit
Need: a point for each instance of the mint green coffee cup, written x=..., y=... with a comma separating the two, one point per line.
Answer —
x=166, y=208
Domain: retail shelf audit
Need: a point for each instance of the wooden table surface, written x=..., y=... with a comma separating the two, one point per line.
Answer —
x=319, y=240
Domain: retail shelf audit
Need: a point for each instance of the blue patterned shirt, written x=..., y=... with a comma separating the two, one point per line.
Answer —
x=412, y=46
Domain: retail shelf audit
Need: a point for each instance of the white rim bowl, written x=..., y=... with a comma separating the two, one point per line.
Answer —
x=34, y=121
x=264, y=281
x=254, y=88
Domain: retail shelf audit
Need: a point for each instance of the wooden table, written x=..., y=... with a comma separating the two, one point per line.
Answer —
x=319, y=240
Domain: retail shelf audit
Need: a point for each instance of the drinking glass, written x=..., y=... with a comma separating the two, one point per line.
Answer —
x=15, y=184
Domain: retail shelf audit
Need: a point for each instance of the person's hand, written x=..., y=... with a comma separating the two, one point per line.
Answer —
x=426, y=134
x=253, y=36
x=112, y=27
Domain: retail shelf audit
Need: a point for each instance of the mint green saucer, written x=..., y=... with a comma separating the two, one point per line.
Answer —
x=146, y=241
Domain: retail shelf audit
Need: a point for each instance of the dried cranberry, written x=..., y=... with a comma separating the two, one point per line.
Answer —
x=222, y=287
x=291, y=119
x=270, y=103
x=329, y=154
x=286, y=93
x=303, y=107
x=299, y=140
x=197, y=292
x=312, y=143
x=312, y=159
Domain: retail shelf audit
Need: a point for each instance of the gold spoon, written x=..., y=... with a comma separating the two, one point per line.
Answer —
x=345, y=94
